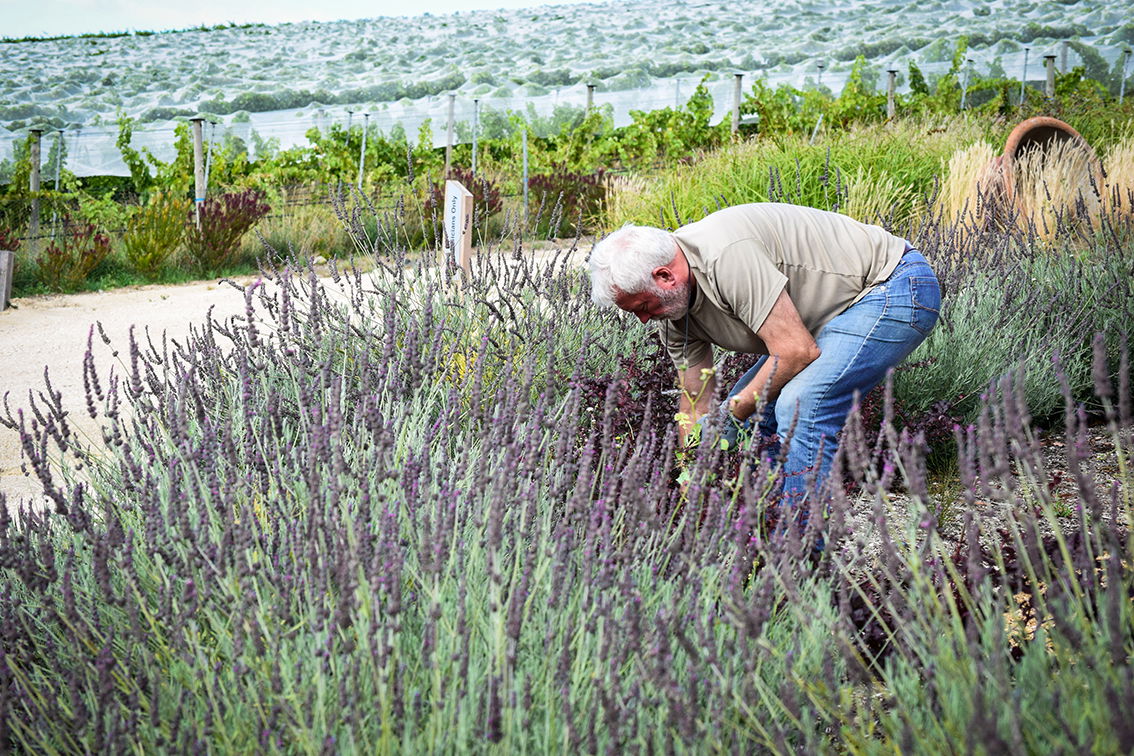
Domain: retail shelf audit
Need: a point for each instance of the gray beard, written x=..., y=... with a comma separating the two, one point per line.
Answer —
x=675, y=302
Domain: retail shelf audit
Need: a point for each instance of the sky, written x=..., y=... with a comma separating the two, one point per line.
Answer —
x=39, y=18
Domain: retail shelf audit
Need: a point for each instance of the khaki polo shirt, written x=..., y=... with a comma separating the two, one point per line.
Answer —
x=742, y=257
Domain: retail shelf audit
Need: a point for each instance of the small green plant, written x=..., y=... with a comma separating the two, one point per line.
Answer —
x=65, y=264
x=214, y=242
x=154, y=233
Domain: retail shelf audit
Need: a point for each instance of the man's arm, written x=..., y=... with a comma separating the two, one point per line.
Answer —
x=698, y=384
x=791, y=347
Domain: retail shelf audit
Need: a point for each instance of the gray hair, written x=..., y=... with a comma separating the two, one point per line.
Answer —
x=625, y=260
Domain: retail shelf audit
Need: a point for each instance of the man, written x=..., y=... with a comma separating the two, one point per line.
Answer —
x=832, y=304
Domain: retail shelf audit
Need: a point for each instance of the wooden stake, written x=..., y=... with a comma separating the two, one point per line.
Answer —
x=1049, y=61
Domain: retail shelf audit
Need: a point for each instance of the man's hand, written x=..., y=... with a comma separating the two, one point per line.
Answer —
x=730, y=430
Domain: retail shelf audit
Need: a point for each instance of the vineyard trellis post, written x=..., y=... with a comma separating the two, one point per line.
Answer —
x=449, y=133
x=198, y=167
x=209, y=153
x=737, y=81
x=590, y=97
x=33, y=185
x=1024, y=75
x=475, y=129
x=1122, y=85
x=524, y=148
x=58, y=172
x=362, y=151
x=965, y=81
x=891, y=107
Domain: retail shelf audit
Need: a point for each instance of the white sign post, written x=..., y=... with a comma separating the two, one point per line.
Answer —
x=458, y=224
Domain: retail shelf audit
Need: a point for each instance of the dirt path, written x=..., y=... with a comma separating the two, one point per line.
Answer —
x=51, y=332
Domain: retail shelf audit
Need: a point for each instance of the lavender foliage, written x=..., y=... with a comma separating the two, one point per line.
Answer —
x=413, y=510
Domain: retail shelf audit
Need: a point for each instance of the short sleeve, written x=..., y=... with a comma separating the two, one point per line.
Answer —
x=682, y=350
x=747, y=282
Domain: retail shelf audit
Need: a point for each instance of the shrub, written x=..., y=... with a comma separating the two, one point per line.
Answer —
x=8, y=239
x=154, y=233
x=1009, y=305
x=64, y=264
x=224, y=222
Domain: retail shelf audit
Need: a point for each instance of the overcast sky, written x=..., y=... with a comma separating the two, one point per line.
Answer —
x=21, y=18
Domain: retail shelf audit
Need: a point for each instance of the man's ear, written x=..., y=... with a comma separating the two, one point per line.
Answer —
x=664, y=277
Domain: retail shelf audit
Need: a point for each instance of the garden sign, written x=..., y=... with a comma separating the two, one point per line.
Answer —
x=458, y=223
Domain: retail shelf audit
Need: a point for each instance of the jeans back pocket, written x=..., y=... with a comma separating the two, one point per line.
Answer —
x=926, y=295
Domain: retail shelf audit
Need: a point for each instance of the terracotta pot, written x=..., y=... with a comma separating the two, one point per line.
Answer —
x=1037, y=132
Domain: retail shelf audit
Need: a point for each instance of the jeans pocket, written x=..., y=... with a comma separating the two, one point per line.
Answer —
x=925, y=295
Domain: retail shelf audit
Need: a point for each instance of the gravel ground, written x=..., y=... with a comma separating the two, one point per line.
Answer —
x=1101, y=467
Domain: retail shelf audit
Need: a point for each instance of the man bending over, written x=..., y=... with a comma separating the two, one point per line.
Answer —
x=830, y=304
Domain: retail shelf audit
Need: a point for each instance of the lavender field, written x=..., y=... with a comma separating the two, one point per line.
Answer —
x=419, y=512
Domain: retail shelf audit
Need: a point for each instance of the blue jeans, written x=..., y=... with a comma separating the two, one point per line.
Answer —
x=857, y=347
